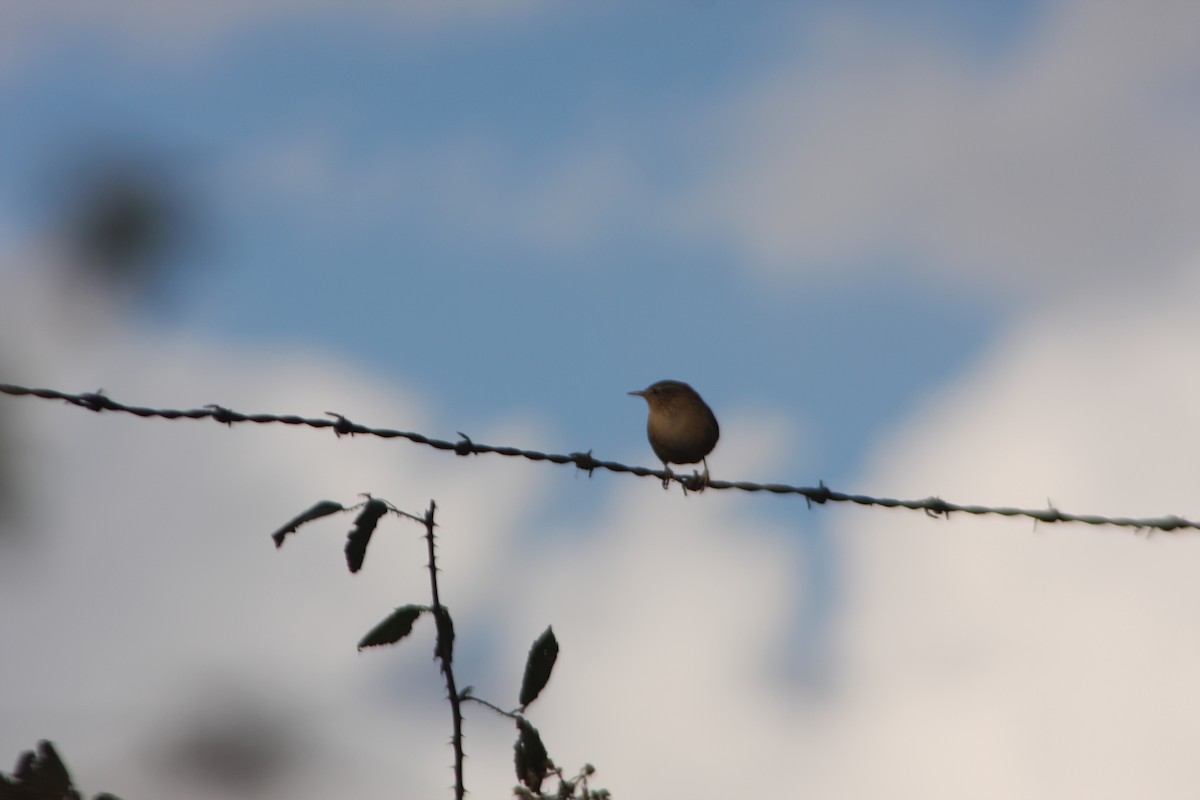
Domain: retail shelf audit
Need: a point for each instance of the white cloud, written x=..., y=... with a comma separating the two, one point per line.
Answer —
x=972, y=654
x=1050, y=662
x=669, y=624
x=1068, y=160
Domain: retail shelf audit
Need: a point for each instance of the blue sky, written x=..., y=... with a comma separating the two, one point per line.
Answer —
x=897, y=246
x=547, y=324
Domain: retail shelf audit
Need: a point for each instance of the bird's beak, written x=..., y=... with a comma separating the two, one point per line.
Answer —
x=639, y=393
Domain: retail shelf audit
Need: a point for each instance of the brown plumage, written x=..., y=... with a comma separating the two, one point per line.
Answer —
x=681, y=427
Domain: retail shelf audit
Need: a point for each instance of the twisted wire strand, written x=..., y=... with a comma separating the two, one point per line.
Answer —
x=933, y=506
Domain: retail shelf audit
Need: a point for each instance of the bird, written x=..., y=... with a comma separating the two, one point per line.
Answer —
x=681, y=427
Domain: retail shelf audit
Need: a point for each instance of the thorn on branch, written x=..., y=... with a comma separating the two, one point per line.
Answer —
x=465, y=446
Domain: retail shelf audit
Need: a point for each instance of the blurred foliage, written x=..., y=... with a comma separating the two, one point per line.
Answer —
x=41, y=775
x=531, y=761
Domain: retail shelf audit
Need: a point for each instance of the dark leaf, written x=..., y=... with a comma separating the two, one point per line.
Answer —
x=52, y=766
x=445, y=637
x=364, y=526
x=530, y=757
x=321, y=509
x=40, y=774
x=538, y=666
x=25, y=764
x=398, y=625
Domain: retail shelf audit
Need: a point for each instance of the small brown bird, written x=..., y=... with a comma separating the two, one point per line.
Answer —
x=681, y=426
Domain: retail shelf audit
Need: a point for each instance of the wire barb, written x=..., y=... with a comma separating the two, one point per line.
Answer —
x=222, y=415
x=585, y=462
x=821, y=494
x=92, y=401
x=341, y=425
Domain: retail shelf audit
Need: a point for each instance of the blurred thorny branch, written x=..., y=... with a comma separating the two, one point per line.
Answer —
x=42, y=774
x=341, y=426
x=531, y=761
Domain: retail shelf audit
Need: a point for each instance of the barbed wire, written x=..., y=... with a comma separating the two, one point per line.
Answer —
x=932, y=506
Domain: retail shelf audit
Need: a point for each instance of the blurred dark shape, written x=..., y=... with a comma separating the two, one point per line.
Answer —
x=124, y=223
x=126, y=218
x=41, y=775
x=233, y=744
